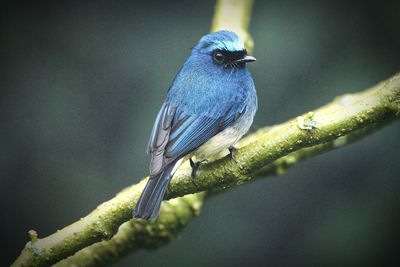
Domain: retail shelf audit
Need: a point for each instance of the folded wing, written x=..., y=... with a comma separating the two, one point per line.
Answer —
x=177, y=132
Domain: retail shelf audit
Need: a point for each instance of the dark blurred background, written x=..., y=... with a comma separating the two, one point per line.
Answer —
x=81, y=83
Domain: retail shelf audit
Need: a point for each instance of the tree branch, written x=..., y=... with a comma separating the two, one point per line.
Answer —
x=270, y=150
x=133, y=235
x=234, y=15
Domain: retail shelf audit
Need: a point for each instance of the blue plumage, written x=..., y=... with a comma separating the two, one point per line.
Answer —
x=209, y=107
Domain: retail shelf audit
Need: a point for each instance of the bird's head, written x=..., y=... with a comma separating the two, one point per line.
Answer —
x=224, y=49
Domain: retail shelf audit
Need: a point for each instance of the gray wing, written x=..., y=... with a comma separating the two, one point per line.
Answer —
x=159, y=139
x=176, y=133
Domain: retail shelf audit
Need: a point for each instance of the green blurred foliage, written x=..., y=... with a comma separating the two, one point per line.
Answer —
x=82, y=82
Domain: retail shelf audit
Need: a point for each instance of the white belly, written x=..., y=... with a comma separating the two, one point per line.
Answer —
x=223, y=140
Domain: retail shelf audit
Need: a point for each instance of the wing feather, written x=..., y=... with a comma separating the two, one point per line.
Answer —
x=177, y=132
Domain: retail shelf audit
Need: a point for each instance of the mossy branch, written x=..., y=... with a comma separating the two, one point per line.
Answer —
x=134, y=234
x=175, y=214
x=268, y=151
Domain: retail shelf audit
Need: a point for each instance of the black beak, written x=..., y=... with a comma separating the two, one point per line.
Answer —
x=246, y=59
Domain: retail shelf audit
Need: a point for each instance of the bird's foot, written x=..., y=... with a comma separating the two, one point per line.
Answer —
x=195, y=166
x=232, y=152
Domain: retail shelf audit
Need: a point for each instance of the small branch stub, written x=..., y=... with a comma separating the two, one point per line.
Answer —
x=307, y=122
x=33, y=236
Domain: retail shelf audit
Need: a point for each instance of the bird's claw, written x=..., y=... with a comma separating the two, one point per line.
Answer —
x=195, y=166
x=232, y=152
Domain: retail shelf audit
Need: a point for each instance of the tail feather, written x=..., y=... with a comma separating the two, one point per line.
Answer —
x=149, y=203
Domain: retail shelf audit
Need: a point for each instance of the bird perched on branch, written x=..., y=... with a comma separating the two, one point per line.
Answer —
x=208, y=108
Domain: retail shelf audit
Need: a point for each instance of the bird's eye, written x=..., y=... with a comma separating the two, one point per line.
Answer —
x=218, y=57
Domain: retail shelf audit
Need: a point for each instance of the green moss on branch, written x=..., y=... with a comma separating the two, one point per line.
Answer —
x=136, y=234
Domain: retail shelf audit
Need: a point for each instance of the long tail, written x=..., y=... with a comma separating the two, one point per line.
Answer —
x=148, y=205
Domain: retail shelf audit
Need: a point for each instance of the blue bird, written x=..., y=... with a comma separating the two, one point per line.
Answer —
x=208, y=108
